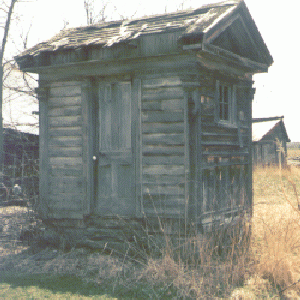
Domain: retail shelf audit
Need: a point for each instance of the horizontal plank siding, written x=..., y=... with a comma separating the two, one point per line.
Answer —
x=163, y=160
x=163, y=149
x=225, y=159
x=173, y=104
x=65, y=101
x=163, y=170
x=163, y=139
x=65, y=151
x=74, y=110
x=65, y=91
x=66, y=131
x=170, y=127
x=66, y=201
x=162, y=117
x=71, y=161
x=65, y=121
x=163, y=179
x=65, y=134
x=61, y=172
x=162, y=93
x=68, y=184
x=161, y=82
x=65, y=141
x=156, y=189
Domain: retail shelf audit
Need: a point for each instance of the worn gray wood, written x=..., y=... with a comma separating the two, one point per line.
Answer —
x=163, y=160
x=64, y=83
x=172, y=104
x=156, y=189
x=64, y=118
x=177, y=127
x=159, y=143
x=66, y=171
x=161, y=82
x=88, y=143
x=163, y=93
x=68, y=184
x=164, y=179
x=163, y=139
x=65, y=101
x=186, y=152
x=162, y=116
x=163, y=170
x=137, y=143
x=65, y=151
x=115, y=161
x=65, y=141
x=65, y=131
x=65, y=161
x=65, y=121
x=159, y=43
x=164, y=150
x=43, y=94
x=65, y=90
x=65, y=111
x=67, y=202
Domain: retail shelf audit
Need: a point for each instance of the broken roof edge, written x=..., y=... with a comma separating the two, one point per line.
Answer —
x=276, y=118
x=191, y=23
x=63, y=34
x=265, y=126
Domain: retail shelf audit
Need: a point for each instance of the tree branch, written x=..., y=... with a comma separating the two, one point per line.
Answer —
x=6, y=28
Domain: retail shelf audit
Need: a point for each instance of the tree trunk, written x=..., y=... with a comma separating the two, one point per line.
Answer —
x=2, y=49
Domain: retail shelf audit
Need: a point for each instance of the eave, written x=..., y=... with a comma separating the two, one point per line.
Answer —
x=128, y=66
x=228, y=57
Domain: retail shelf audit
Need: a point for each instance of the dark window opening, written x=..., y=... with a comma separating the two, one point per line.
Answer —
x=224, y=96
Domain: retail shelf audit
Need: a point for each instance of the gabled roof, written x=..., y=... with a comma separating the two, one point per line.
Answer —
x=268, y=129
x=208, y=24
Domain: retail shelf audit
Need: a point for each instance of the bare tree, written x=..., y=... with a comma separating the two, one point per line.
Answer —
x=8, y=10
x=91, y=16
x=100, y=11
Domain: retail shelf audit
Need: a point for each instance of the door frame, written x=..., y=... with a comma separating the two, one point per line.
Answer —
x=136, y=134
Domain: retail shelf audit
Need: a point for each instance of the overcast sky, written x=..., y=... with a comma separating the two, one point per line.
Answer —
x=278, y=21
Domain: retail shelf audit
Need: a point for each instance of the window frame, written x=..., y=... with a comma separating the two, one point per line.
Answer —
x=225, y=95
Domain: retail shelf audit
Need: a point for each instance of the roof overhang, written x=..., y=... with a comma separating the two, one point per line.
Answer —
x=228, y=57
x=223, y=32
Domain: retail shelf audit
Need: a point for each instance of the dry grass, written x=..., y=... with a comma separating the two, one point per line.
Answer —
x=276, y=228
x=293, y=152
x=206, y=270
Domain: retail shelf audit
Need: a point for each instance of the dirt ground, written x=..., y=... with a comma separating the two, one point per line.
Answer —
x=12, y=220
x=15, y=255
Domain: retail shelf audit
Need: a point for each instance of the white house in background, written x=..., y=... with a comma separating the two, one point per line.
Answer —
x=19, y=100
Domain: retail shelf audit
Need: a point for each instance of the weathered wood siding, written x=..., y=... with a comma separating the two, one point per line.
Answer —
x=226, y=153
x=265, y=153
x=271, y=148
x=66, y=184
x=163, y=129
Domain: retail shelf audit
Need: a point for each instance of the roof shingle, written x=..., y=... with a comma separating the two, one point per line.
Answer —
x=106, y=34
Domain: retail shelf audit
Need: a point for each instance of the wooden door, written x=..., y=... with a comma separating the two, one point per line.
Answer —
x=115, y=182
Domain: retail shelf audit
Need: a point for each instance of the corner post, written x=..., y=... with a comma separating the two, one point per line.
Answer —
x=43, y=95
x=88, y=141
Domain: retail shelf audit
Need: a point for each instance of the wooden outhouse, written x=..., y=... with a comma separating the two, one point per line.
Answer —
x=269, y=140
x=149, y=117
